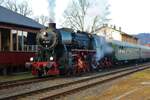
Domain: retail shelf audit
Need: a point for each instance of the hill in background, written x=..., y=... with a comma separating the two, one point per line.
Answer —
x=144, y=38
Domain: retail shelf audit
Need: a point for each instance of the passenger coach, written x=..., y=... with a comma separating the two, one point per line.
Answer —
x=17, y=40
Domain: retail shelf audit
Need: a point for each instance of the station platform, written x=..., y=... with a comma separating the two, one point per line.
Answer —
x=17, y=76
x=134, y=87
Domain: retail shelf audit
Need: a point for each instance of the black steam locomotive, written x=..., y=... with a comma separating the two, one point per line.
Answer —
x=63, y=51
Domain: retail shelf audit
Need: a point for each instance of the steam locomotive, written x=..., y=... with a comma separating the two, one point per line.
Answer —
x=63, y=51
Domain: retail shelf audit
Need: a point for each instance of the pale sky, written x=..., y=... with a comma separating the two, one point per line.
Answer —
x=131, y=15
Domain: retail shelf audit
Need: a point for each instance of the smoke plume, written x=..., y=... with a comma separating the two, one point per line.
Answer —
x=52, y=6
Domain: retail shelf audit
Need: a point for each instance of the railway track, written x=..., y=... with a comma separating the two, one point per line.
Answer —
x=87, y=84
x=69, y=87
x=10, y=84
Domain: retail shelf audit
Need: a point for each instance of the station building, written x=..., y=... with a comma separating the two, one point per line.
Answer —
x=112, y=33
x=17, y=40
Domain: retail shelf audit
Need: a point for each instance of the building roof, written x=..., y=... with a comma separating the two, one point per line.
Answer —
x=114, y=28
x=10, y=17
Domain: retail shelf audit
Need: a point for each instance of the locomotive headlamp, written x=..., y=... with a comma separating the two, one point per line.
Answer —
x=31, y=59
x=44, y=33
x=51, y=58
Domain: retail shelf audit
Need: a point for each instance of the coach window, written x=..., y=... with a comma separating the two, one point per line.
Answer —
x=31, y=41
x=14, y=39
x=0, y=40
x=25, y=46
x=22, y=40
x=5, y=40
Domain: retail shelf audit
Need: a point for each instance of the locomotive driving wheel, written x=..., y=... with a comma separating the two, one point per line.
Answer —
x=80, y=65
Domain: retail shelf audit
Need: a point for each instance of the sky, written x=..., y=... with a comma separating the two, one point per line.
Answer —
x=131, y=15
x=40, y=7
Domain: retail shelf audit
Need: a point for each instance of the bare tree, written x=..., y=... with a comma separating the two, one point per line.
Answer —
x=44, y=20
x=37, y=19
x=11, y=4
x=1, y=2
x=77, y=16
x=22, y=7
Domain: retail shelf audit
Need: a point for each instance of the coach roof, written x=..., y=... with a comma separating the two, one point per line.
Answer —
x=10, y=17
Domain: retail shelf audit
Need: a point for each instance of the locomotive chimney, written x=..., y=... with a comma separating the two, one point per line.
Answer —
x=52, y=25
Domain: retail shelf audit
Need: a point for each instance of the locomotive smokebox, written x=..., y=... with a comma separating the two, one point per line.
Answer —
x=52, y=25
x=48, y=38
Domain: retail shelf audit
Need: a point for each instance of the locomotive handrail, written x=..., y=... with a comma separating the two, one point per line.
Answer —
x=83, y=50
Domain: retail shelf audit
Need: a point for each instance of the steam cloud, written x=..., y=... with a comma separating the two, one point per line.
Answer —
x=52, y=6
